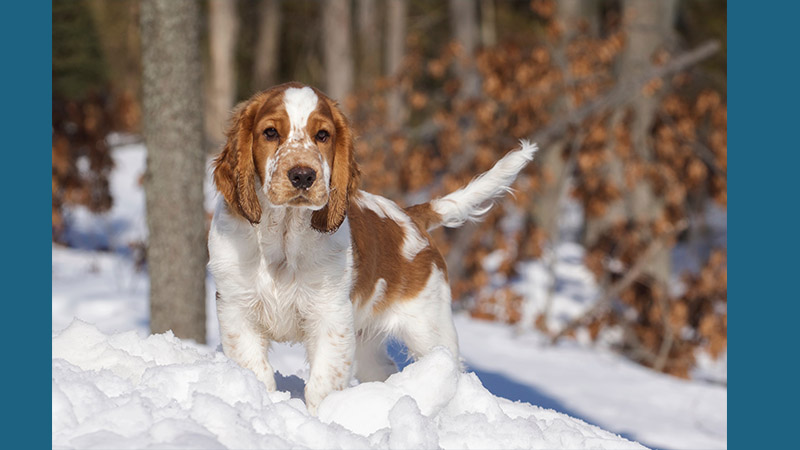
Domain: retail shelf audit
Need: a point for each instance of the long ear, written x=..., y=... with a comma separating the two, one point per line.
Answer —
x=345, y=177
x=234, y=169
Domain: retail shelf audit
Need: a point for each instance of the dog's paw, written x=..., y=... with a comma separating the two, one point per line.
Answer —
x=266, y=375
x=313, y=398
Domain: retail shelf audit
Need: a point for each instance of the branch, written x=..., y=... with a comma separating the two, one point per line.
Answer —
x=620, y=95
x=623, y=93
x=703, y=152
x=616, y=289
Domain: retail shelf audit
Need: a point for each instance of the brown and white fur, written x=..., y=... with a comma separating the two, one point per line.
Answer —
x=300, y=254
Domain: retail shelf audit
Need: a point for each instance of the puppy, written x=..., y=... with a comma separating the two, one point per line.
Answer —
x=300, y=254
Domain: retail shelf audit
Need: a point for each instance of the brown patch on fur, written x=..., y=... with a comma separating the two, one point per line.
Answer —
x=234, y=168
x=345, y=175
x=281, y=190
x=232, y=339
x=377, y=248
x=424, y=216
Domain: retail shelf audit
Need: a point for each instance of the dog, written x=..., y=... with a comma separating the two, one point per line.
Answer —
x=300, y=254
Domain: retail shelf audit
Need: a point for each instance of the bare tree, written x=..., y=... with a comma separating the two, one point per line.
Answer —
x=338, y=49
x=464, y=27
x=369, y=40
x=488, y=23
x=223, y=28
x=267, y=44
x=464, y=23
x=545, y=206
x=396, y=12
x=648, y=27
x=173, y=133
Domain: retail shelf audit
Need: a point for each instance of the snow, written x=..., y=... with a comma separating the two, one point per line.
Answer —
x=126, y=391
x=115, y=385
x=575, y=286
x=598, y=386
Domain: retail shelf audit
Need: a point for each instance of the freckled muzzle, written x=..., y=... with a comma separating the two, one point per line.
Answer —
x=297, y=177
x=302, y=177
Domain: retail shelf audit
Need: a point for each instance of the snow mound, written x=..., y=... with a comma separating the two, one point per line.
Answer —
x=124, y=391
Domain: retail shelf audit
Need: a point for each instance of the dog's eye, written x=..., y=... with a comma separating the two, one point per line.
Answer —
x=322, y=136
x=271, y=134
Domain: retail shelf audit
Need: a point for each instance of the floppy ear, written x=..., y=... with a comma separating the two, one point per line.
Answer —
x=345, y=177
x=234, y=169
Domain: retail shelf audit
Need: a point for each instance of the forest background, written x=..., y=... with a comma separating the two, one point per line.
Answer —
x=627, y=100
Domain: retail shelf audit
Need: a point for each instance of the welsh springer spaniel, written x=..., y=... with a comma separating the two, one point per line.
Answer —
x=300, y=254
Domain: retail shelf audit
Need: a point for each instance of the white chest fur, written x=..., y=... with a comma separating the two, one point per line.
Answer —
x=279, y=272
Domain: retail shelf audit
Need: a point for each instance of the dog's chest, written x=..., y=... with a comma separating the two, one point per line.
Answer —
x=300, y=272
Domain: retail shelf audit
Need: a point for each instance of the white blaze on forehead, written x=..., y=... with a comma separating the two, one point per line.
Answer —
x=299, y=104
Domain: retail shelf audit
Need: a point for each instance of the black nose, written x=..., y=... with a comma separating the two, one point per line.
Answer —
x=302, y=177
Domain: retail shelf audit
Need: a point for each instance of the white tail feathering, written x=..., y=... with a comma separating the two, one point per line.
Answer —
x=475, y=199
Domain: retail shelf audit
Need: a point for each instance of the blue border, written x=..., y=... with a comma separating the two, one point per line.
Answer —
x=763, y=247
x=763, y=302
x=26, y=36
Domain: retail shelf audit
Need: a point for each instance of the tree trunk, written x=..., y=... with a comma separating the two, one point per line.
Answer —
x=648, y=26
x=646, y=31
x=488, y=23
x=173, y=133
x=369, y=41
x=464, y=23
x=338, y=49
x=464, y=26
x=223, y=28
x=396, y=12
x=545, y=205
x=267, y=50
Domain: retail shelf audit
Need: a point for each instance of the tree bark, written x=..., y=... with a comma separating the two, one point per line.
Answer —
x=338, y=49
x=369, y=41
x=649, y=28
x=173, y=133
x=223, y=28
x=545, y=206
x=488, y=23
x=464, y=27
x=267, y=50
x=464, y=23
x=396, y=13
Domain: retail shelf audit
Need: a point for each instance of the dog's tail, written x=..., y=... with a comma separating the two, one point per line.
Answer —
x=475, y=199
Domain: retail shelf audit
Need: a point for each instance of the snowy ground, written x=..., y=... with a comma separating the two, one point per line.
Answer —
x=115, y=386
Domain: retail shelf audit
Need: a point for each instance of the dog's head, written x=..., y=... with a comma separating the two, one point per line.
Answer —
x=293, y=143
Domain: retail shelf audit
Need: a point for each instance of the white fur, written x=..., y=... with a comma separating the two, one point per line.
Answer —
x=474, y=200
x=299, y=104
x=282, y=281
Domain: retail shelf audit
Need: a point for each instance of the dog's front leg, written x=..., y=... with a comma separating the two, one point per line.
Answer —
x=330, y=342
x=244, y=343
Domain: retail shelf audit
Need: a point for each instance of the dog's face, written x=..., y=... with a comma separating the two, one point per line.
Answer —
x=294, y=144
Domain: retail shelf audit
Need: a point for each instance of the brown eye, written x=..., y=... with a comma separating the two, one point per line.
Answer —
x=322, y=136
x=271, y=134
